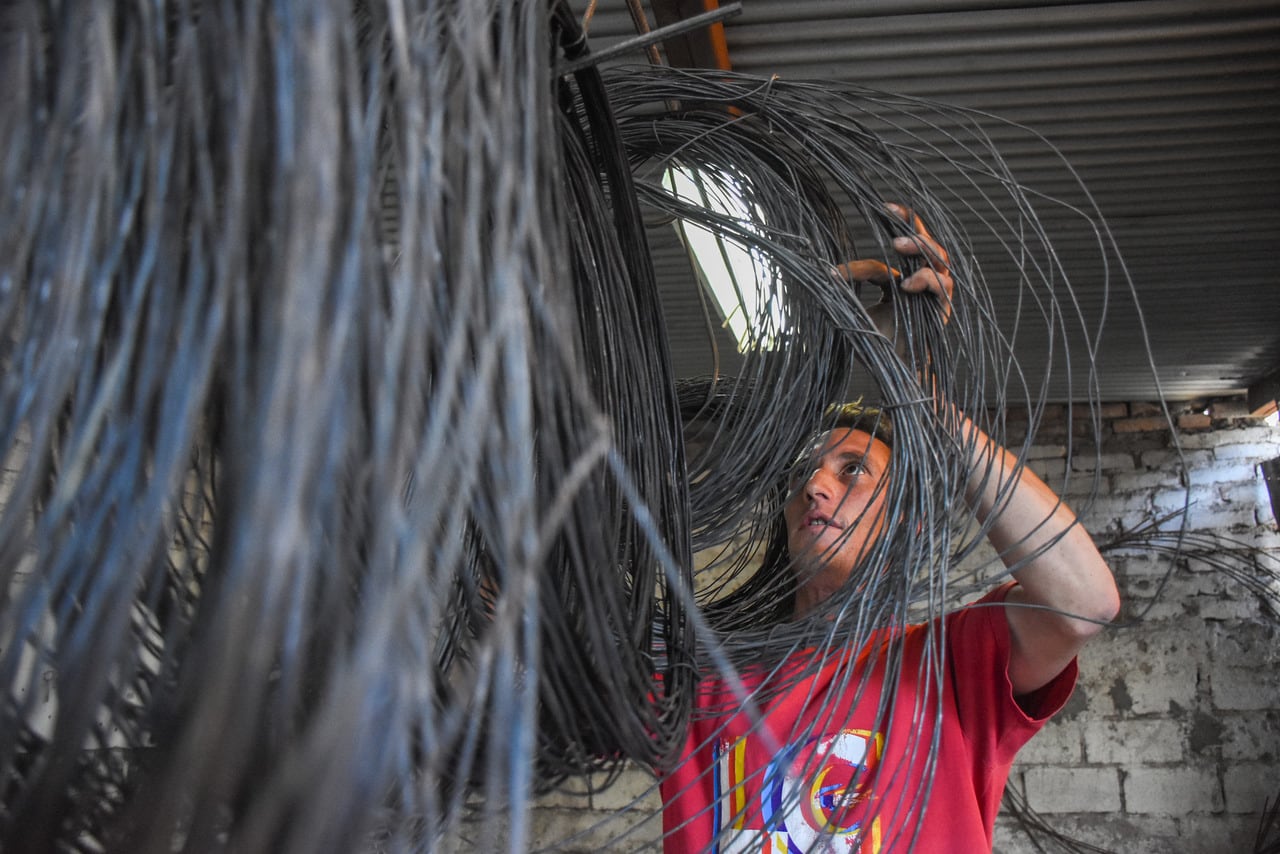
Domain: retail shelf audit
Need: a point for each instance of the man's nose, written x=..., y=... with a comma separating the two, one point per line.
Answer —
x=819, y=485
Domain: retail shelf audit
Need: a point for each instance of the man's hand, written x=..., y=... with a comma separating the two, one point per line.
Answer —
x=933, y=275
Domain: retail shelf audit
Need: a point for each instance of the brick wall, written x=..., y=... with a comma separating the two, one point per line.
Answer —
x=1171, y=742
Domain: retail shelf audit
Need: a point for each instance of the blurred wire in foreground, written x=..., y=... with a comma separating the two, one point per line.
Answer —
x=346, y=492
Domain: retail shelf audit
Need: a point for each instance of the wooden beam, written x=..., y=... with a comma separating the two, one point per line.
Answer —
x=1264, y=393
x=704, y=48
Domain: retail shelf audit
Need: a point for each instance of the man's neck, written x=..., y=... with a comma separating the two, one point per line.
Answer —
x=814, y=591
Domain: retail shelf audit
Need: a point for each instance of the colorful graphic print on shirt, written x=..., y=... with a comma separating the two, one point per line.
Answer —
x=811, y=797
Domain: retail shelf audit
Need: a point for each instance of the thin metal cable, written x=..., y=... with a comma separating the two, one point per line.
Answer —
x=349, y=501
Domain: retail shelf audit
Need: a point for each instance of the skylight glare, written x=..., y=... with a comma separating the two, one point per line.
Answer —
x=740, y=280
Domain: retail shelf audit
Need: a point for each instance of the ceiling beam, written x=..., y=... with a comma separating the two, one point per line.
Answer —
x=703, y=48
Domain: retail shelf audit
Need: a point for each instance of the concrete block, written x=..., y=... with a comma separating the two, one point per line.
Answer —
x=1243, y=689
x=1210, y=515
x=1149, y=610
x=589, y=831
x=1051, y=472
x=1147, y=669
x=634, y=788
x=1175, y=460
x=1072, y=789
x=1249, y=452
x=1138, y=564
x=1110, y=461
x=1078, y=488
x=1172, y=791
x=1204, y=736
x=1059, y=743
x=1189, y=579
x=1134, y=742
x=1226, y=608
x=1253, y=646
x=1174, y=584
x=1261, y=434
x=1229, y=471
x=1213, y=832
x=1046, y=452
x=1227, y=518
x=1248, y=786
x=1105, y=410
x=1173, y=498
x=1250, y=492
x=982, y=564
x=1014, y=436
x=1109, y=507
x=1093, y=686
x=1145, y=481
x=1201, y=580
x=1265, y=538
x=1014, y=412
x=1129, y=834
x=1100, y=529
x=1250, y=737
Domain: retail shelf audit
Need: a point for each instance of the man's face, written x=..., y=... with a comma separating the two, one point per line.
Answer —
x=836, y=508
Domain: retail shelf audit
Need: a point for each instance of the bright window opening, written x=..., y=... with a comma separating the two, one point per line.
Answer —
x=739, y=278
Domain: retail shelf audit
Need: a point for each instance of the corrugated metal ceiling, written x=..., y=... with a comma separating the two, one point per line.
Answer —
x=1169, y=110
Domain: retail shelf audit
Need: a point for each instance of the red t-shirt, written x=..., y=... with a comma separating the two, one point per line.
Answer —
x=817, y=767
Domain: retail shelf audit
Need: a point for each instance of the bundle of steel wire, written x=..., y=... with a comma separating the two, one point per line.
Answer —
x=346, y=489
x=815, y=174
x=306, y=397
x=1250, y=568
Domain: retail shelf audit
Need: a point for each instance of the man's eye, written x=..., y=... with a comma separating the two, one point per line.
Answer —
x=853, y=469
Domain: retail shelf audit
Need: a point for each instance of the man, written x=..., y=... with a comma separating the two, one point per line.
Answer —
x=906, y=742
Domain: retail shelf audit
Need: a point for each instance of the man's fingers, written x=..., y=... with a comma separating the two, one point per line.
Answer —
x=867, y=270
x=939, y=283
x=925, y=247
x=921, y=243
x=934, y=278
x=910, y=217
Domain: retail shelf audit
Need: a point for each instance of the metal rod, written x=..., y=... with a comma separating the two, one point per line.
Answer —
x=642, y=27
x=641, y=42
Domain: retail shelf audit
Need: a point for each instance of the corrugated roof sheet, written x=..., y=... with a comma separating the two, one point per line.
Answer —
x=1169, y=109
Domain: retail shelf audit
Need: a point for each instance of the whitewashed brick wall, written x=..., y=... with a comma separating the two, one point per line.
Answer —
x=1172, y=740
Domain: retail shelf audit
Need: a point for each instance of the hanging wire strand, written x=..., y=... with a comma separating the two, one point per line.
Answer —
x=814, y=166
x=352, y=496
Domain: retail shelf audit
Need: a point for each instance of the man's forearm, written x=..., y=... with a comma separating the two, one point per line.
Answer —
x=1065, y=592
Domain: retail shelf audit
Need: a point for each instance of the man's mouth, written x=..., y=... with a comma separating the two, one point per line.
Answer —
x=816, y=521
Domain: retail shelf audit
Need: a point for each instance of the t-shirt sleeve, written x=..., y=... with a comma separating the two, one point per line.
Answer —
x=978, y=647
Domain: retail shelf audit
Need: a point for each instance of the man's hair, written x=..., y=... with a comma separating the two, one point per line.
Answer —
x=856, y=416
